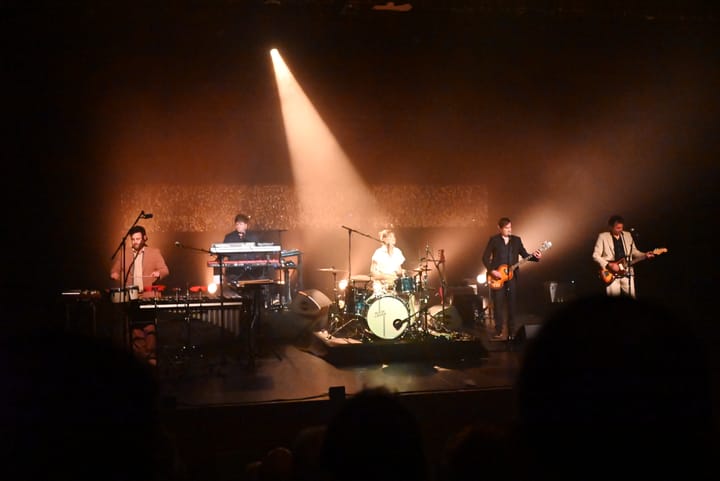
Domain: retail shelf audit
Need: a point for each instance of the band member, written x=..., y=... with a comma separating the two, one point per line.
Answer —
x=242, y=234
x=615, y=252
x=387, y=260
x=146, y=267
x=504, y=249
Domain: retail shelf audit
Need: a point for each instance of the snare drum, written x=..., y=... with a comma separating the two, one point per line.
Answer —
x=405, y=285
x=387, y=316
x=119, y=295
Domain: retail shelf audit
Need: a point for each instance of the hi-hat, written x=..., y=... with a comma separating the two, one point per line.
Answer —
x=421, y=269
x=330, y=269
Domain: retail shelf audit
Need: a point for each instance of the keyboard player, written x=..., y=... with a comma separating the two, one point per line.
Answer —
x=248, y=272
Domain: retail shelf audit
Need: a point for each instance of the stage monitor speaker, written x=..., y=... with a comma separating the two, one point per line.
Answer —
x=448, y=318
x=310, y=302
x=527, y=331
x=470, y=307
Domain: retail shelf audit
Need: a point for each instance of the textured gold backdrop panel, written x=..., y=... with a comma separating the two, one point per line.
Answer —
x=212, y=208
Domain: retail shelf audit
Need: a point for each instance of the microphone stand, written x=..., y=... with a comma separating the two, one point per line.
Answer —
x=123, y=275
x=443, y=290
x=287, y=293
x=349, y=263
x=350, y=231
x=628, y=261
x=121, y=250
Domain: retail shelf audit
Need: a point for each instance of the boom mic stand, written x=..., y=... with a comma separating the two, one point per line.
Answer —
x=628, y=261
x=350, y=231
x=345, y=315
x=121, y=248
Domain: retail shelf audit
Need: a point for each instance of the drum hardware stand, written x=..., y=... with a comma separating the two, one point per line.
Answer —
x=423, y=311
x=335, y=314
x=419, y=329
x=439, y=264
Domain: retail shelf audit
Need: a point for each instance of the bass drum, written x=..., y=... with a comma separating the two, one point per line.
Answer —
x=387, y=316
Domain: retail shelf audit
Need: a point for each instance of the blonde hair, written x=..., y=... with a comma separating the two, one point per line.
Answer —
x=385, y=233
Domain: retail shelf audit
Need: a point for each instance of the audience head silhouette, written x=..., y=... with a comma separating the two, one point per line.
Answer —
x=78, y=408
x=614, y=385
x=374, y=436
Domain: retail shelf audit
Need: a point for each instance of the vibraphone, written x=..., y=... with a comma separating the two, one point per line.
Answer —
x=224, y=313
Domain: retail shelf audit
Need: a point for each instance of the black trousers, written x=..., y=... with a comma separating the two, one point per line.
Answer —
x=504, y=302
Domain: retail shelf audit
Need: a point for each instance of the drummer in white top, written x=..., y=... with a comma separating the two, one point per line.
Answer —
x=386, y=263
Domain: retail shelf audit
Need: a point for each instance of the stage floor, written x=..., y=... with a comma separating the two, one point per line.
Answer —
x=294, y=363
x=226, y=405
x=228, y=408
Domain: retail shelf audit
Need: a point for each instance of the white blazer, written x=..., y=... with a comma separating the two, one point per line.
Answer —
x=604, y=250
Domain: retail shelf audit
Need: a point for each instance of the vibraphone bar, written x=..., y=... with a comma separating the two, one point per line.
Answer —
x=227, y=314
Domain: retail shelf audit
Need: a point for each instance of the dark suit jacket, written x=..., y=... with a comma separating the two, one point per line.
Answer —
x=498, y=253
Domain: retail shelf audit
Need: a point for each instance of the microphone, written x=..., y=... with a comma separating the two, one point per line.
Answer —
x=143, y=215
x=442, y=256
x=397, y=323
x=178, y=244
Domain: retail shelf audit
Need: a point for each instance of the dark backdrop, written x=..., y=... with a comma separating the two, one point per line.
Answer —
x=565, y=116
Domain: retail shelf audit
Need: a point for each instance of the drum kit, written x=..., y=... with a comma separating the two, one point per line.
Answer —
x=380, y=307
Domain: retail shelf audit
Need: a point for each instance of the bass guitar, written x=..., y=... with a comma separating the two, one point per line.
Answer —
x=506, y=271
x=607, y=275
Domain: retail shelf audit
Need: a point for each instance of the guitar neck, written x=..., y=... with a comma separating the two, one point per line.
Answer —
x=525, y=259
x=632, y=262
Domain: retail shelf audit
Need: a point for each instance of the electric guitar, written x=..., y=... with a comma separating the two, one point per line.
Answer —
x=507, y=272
x=608, y=276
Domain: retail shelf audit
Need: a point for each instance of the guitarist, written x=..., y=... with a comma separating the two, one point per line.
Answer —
x=615, y=252
x=504, y=249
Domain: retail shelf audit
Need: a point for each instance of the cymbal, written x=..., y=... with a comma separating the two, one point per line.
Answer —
x=360, y=277
x=330, y=269
x=421, y=269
